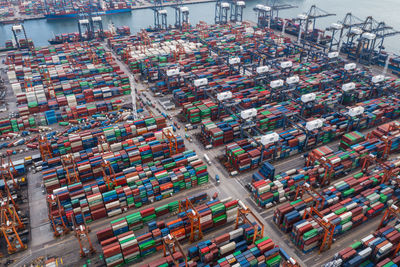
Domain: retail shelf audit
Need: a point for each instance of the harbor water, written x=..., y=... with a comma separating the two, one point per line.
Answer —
x=41, y=30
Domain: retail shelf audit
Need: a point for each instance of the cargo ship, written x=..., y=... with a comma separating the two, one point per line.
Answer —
x=64, y=38
x=74, y=36
x=74, y=14
x=292, y=28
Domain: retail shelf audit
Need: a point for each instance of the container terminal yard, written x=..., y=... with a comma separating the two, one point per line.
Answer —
x=226, y=144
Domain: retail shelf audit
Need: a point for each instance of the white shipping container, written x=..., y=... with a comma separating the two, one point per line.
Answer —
x=347, y=226
x=365, y=252
x=386, y=248
x=114, y=212
x=351, y=206
x=112, y=204
x=227, y=248
x=116, y=147
x=263, y=189
x=235, y=233
x=206, y=218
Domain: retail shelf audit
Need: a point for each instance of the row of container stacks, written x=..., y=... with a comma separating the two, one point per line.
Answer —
x=326, y=85
x=363, y=199
x=268, y=187
x=245, y=154
x=198, y=111
x=148, y=128
x=49, y=117
x=220, y=252
x=118, y=249
x=130, y=153
x=272, y=116
x=234, y=248
x=377, y=249
x=141, y=177
x=225, y=41
x=59, y=77
x=156, y=62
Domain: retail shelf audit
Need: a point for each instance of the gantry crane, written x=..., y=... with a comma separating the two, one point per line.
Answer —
x=70, y=168
x=17, y=29
x=10, y=222
x=338, y=30
x=268, y=15
x=194, y=217
x=56, y=213
x=319, y=200
x=109, y=178
x=9, y=197
x=180, y=50
x=145, y=40
x=103, y=144
x=7, y=171
x=391, y=213
x=44, y=148
x=127, y=53
x=370, y=43
x=237, y=7
x=368, y=160
x=159, y=12
x=221, y=12
x=181, y=15
x=93, y=57
x=328, y=227
x=309, y=18
x=326, y=164
x=242, y=213
x=48, y=82
x=11, y=210
x=96, y=24
x=170, y=242
x=276, y=6
x=365, y=39
x=82, y=234
x=172, y=141
x=390, y=172
x=84, y=26
x=393, y=127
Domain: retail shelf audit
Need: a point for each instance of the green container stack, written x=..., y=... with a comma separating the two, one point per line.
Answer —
x=135, y=221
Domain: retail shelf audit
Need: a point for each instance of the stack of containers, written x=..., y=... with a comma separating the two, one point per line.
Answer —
x=127, y=154
x=150, y=242
x=199, y=111
x=389, y=132
x=376, y=249
x=350, y=139
x=53, y=80
x=345, y=215
x=113, y=133
x=286, y=215
x=134, y=187
x=220, y=133
x=277, y=188
x=234, y=248
x=293, y=141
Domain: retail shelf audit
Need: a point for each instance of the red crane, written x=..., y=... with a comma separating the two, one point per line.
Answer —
x=56, y=213
x=82, y=235
x=242, y=213
x=194, y=218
